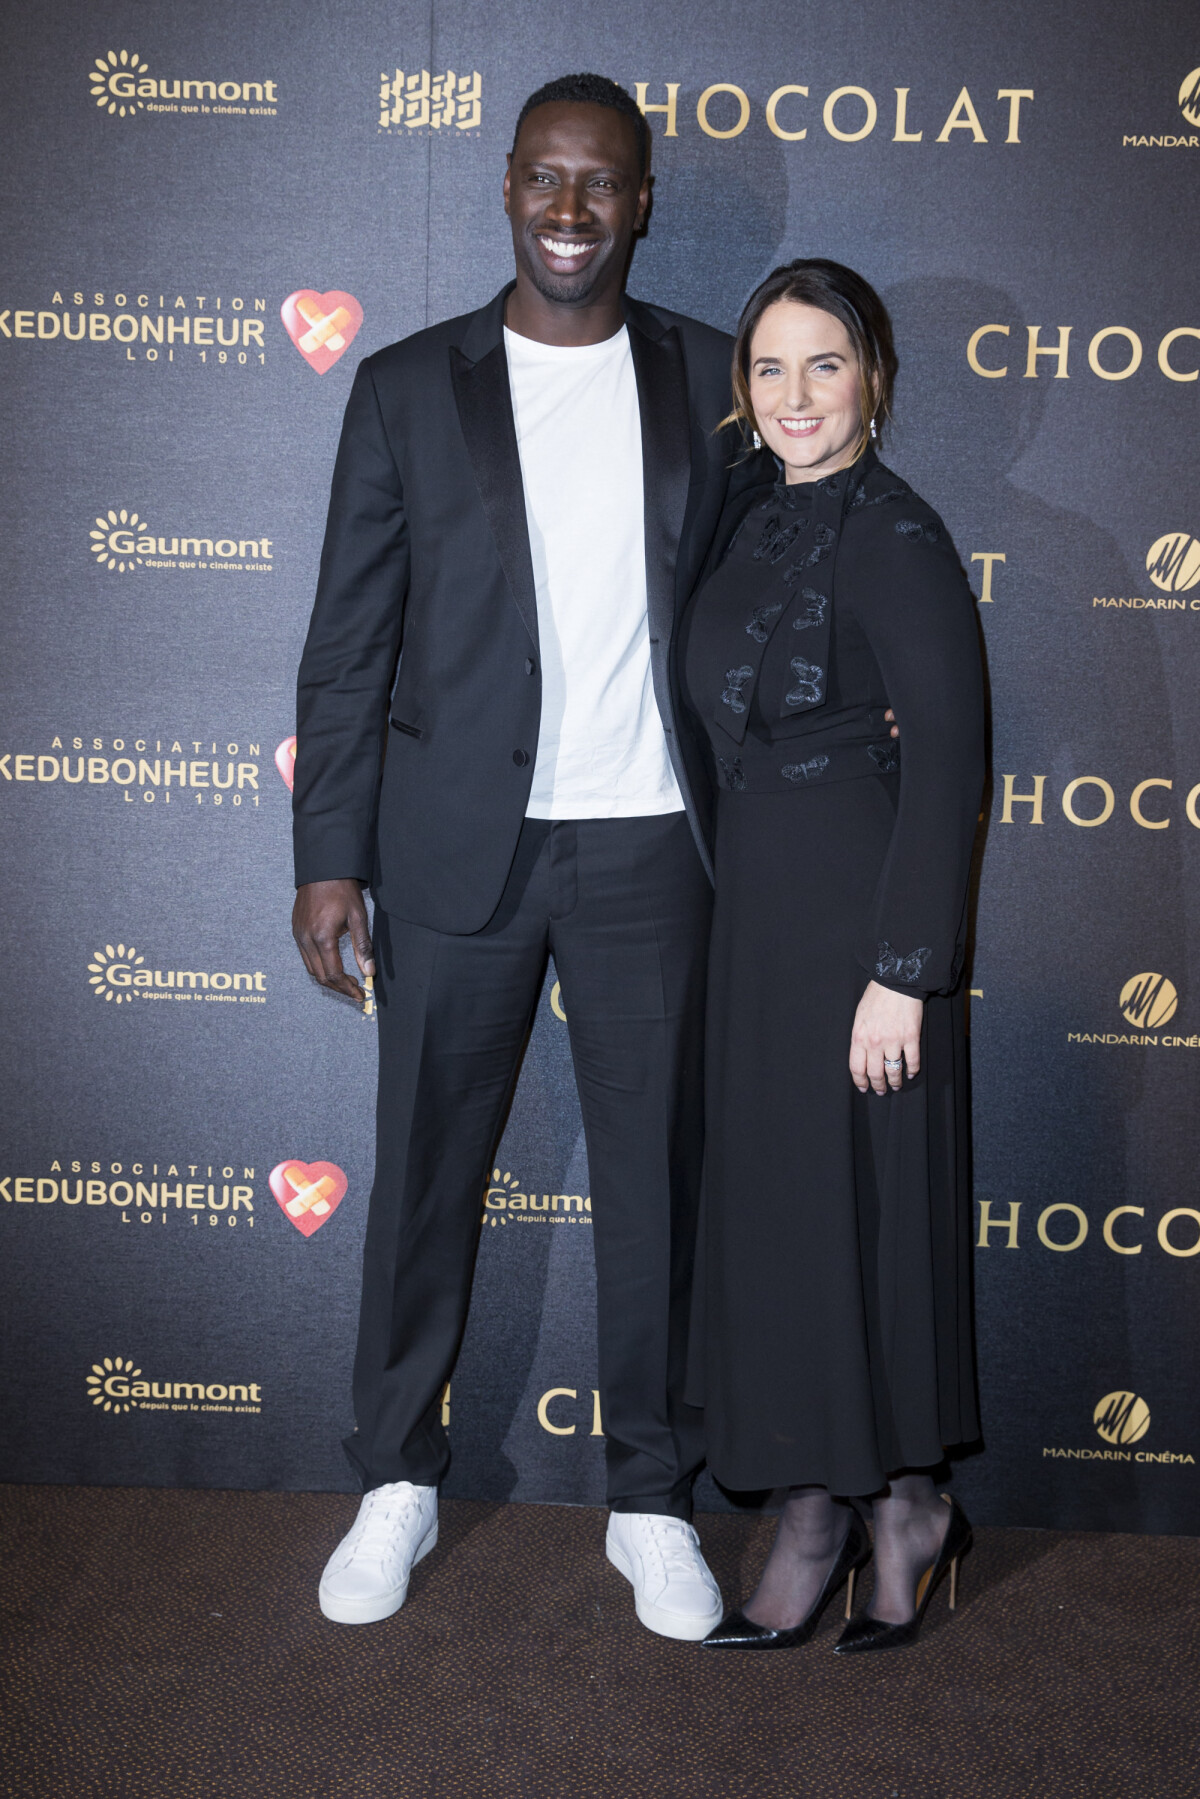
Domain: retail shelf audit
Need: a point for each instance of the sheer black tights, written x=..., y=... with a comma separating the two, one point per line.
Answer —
x=812, y=1527
x=910, y=1523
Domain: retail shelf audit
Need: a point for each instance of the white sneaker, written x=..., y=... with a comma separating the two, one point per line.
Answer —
x=674, y=1592
x=366, y=1577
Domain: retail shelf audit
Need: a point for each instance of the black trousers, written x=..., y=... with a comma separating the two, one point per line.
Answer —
x=624, y=907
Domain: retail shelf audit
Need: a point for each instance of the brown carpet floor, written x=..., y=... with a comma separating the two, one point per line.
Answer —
x=168, y=1645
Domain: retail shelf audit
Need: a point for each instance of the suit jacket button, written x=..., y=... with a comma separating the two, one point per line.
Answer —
x=530, y=665
x=520, y=757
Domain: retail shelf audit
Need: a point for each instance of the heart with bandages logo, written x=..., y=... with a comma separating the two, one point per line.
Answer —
x=285, y=762
x=309, y=1193
x=322, y=326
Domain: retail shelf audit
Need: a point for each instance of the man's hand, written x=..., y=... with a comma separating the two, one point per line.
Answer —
x=324, y=912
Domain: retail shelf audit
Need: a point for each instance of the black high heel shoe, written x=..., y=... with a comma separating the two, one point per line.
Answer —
x=873, y=1633
x=739, y=1632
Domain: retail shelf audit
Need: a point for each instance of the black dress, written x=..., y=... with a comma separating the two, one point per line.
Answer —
x=832, y=1339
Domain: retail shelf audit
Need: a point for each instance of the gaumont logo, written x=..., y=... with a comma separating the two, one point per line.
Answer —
x=422, y=102
x=117, y=1385
x=122, y=85
x=506, y=1202
x=1121, y=1420
x=156, y=767
x=118, y=973
x=114, y=1374
x=1051, y=352
x=1189, y=106
x=724, y=110
x=121, y=541
x=308, y=1193
x=322, y=326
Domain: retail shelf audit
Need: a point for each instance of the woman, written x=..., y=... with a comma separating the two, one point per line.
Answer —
x=832, y=1337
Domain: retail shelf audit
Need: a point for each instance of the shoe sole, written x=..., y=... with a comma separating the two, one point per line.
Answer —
x=373, y=1611
x=654, y=1617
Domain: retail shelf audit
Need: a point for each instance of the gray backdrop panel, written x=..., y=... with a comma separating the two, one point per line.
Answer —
x=202, y=1338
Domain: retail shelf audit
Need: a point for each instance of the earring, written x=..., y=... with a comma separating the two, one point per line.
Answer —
x=757, y=440
x=874, y=433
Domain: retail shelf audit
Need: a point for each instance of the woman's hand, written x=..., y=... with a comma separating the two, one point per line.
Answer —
x=887, y=1028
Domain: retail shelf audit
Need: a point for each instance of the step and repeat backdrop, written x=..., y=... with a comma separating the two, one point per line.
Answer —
x=213, y=213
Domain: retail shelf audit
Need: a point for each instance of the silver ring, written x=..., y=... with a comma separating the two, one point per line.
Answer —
x=898, y=1063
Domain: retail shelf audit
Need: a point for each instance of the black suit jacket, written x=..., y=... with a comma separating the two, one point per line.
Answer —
x=426, y=599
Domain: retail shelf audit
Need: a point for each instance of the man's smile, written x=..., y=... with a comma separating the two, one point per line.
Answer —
x=563, y=254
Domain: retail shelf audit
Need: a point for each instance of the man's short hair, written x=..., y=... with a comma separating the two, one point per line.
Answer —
x=591, y=90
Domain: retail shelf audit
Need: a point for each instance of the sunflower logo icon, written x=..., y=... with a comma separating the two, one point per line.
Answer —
x=101, y=969
x=502, y=1184
x=101, y=78
x=113, y=539
x=112, y=1394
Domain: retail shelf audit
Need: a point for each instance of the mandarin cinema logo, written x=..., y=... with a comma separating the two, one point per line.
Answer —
x=1147, y=1002
x=1173, y=565
x=1173, y=562
x=119, y=972
x=117, y=1385
x=122, y=541
x=122, y=86
x=1189, y=97
x=1121, y=1419
x=1188, y=100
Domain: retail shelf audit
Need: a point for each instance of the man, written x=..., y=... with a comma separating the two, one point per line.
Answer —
x=522, y=501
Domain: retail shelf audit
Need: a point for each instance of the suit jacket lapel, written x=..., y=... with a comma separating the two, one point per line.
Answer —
x=666, y=460
x=484, y=401
x=479, y=374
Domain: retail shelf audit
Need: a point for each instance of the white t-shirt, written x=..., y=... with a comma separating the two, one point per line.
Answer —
x=601, y=752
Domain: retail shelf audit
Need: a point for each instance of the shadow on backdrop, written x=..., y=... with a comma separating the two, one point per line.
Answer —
x=716, y=223
x=1062, y=698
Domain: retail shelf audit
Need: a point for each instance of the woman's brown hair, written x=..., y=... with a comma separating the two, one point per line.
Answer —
x=832, y=288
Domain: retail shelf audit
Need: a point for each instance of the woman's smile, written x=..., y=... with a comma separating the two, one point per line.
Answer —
x=799, y=427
